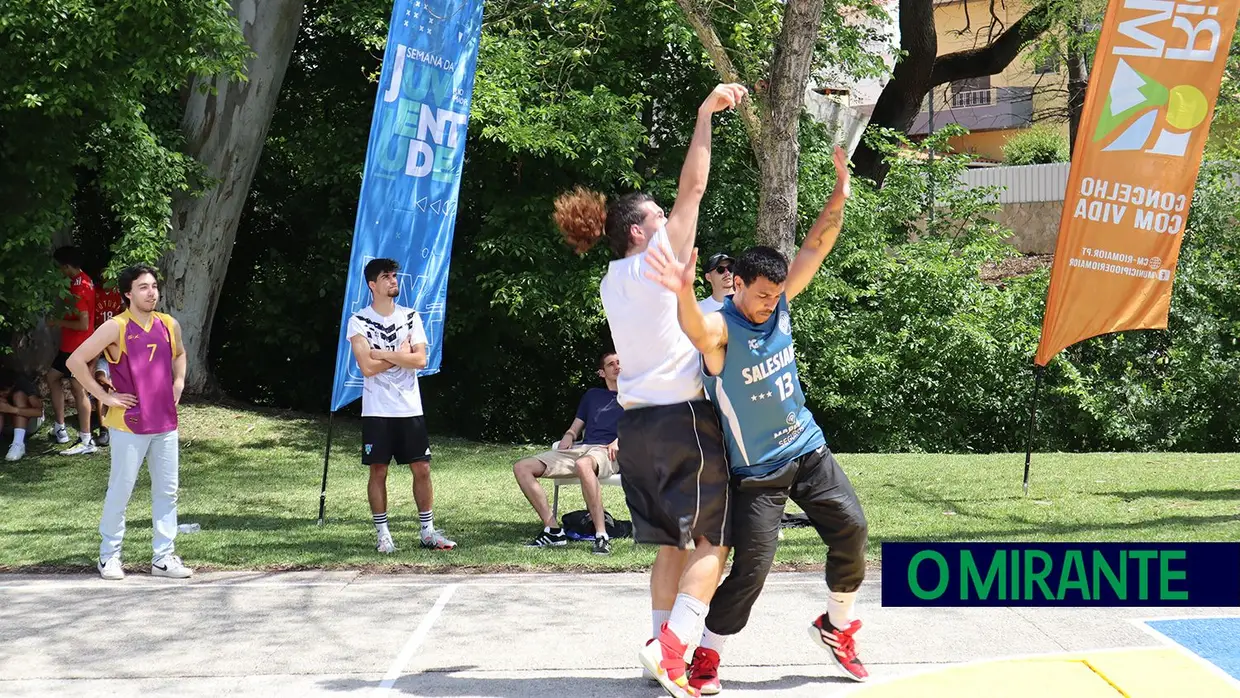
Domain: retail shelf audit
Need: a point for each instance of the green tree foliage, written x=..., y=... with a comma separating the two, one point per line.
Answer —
x=599, y=94
x=88, y=121
x=904, y=344
x=1040, y=145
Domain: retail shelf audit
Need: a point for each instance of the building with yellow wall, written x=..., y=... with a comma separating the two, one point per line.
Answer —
x=992, y=108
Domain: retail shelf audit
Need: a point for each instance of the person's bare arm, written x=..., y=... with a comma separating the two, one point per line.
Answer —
x=361, y=352
x=79, y=321
x=406, y=356
x=15, y=405
x=570, y=436
x=105, y=336
x=707, y=332
x=682, y=221
x=823, y=234
x=180, y=364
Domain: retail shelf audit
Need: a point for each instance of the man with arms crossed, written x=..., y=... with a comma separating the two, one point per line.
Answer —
x=148, y=362
x=671, y=452
x=595, y=423
x=775, y=448
x=389, y=343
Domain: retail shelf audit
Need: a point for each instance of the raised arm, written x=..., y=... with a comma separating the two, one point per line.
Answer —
x=682, y=222
x=823, y=234
x=709, y=333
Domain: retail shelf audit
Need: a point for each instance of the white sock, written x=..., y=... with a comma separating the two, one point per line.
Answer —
x=381, y=524
x=60, y=425
x=712, y=641
x=19, y=436
x=428, y=521
x=688, y=618
x=657, y=619
x=840, y=608
x=85, y=438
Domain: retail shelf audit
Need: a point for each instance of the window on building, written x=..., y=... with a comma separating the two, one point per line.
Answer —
x=973, y=92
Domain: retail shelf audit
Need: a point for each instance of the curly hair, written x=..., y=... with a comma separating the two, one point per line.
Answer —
x=761, y=261
x=585, y=216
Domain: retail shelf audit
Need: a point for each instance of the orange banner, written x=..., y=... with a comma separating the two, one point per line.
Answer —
x=1147, y=114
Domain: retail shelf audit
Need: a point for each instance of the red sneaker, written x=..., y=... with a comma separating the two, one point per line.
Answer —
x=840, y=643
x=666, y=660
x=704, y=672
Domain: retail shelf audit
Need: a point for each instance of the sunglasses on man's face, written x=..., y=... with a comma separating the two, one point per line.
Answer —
x=724, y=268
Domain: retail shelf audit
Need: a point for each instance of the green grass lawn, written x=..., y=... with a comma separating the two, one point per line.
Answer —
x=251, y=479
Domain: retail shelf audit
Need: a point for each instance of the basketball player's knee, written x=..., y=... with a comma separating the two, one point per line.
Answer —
x=378, y=471
x=858, y=528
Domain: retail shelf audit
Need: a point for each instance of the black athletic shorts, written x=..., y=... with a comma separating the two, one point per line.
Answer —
x=402, y=438
x=674, y=471
x=60, y=363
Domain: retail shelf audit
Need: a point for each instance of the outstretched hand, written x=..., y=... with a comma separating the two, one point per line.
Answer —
x=669, y=272
x=724, y=97
x=843, y=178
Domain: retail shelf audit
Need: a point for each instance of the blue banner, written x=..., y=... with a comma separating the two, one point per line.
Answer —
x=407, y=208
x=1061, y=574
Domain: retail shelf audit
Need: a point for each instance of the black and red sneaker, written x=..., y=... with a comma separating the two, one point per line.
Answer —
x=704, y=672
x=840, y=643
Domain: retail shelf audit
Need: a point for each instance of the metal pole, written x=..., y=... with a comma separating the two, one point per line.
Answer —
x=326, y=457
x=930, y=161
x=1033, y=420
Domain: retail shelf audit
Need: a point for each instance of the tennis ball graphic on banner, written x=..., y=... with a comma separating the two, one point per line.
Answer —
x=1182, y=108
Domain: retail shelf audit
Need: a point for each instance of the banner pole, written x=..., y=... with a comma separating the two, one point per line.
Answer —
x=326, y=458
x=1033, y=419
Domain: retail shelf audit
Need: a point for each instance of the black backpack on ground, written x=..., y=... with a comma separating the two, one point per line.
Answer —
x=579, y=526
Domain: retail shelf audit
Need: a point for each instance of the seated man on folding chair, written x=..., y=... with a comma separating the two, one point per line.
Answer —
x=590, y=459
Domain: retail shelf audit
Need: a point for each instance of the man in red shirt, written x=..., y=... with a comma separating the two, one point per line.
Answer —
x=108, y=304
x=76, y=327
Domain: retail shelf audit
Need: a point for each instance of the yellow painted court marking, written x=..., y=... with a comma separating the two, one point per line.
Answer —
x=1137, y=673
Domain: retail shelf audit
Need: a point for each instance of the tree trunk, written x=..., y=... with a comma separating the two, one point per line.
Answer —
x=225, y=131
x=920, y=70
x=901, y=98
x=781, y=148
x=1078, y=81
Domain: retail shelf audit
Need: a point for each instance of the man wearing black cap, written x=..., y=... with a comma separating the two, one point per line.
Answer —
x=719, y=274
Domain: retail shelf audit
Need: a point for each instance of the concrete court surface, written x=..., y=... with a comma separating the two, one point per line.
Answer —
x=350, y=633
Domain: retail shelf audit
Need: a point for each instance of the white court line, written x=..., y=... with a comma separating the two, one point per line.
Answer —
x=1209, y=665
x=601, y=580
x=415, y=640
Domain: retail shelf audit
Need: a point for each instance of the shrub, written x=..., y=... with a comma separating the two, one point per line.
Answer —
x=1040, y=145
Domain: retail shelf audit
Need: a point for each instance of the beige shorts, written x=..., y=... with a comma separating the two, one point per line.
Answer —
x=564, y=463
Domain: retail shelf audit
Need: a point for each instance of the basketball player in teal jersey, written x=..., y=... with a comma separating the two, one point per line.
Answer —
x=776, y=450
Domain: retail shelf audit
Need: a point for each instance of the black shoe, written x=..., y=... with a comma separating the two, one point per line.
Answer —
x=602, y=546
x=549, y=537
